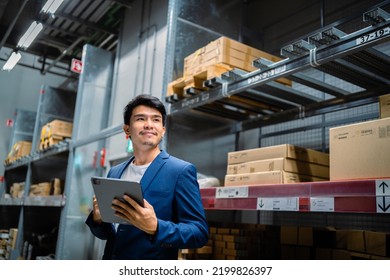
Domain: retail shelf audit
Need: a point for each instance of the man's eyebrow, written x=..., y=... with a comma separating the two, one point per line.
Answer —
x=144, y=115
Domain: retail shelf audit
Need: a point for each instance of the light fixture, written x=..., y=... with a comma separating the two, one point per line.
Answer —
x=51, y=6
x=12, y=60
x=31, y=33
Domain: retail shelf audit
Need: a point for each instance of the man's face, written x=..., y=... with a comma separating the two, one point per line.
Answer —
x=146, y=127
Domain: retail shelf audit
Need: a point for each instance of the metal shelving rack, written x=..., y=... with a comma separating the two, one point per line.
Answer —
x=352, y=204
x=253, y=100
x=350, y=57
x=40, y=216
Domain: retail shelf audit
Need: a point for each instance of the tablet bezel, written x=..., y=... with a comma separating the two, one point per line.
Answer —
x=106, y=189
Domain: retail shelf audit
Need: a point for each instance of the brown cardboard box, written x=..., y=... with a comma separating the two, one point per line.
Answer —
x=268, y=177
x=56, y=186
x=376, y=243
x=338, y=254
x=355, y=241
x=384, y=106
x=279, y=151
x=221, y=50
x=17, y=190
x=285, y=164
x=288, y=235
x=19, y=149
x=341, y=238
x=323, y=253
x=229, y=52
x=41, y=189
x=57, y=128
x=305, y=236
x=360, y=151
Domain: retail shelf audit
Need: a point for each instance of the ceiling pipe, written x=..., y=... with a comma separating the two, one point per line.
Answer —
x=124, y=3
x=8, y=32
x=63, y=54
x=49, y=72
x=87, y=23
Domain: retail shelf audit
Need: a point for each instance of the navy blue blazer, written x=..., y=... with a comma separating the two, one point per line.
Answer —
x=170, y=185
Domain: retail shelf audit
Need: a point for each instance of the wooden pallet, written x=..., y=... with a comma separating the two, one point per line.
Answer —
x=190, y=85
x=48, y=142
x=205, y=78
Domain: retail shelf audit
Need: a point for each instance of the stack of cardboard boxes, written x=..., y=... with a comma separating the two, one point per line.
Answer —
x=214, y=59
x=55, y=132
x=54, y=187
x=7, y=242
x=278, y=164
x=362, y=150
x=17, y=190
x=19, y=149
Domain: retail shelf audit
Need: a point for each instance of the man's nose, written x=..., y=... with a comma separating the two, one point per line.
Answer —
x=148, y=123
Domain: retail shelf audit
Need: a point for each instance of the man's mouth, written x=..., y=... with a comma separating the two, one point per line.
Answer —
x=148, y=133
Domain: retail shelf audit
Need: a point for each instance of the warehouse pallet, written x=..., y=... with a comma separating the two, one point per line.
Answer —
x=191, y=85
x=49, y=142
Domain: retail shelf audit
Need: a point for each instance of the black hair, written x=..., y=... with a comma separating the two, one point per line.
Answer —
x=146, y=100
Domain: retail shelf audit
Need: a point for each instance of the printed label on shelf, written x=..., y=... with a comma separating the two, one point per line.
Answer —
x=227, y=192
x=322, y=204
x=372, y=36
x=278, y=203
x=382, y=187
x=383, y=204
x=268, y=74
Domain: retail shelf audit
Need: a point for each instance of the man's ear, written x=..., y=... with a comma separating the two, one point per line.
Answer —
x=126, y=129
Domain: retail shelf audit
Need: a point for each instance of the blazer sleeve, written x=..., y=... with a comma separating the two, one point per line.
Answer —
x=190, y=230
x=102, y=231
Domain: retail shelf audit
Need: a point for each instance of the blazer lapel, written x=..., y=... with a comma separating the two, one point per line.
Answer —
x=153, y=169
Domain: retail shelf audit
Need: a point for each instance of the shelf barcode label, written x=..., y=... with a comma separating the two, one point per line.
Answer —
x=228, y=192
x=278, y=203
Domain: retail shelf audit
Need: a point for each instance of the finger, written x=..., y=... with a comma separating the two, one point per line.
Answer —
x=120, y=207
x=132, y=202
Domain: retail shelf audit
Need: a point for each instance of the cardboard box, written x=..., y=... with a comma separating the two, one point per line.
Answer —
x=223, y=49
x=355, y=241
x=384, y=106
x=285, y=164
x=305, y=236
x=57, y=128
x=323, y=253
x=41, y=189
x=19, y=149
x=377, y=243
x=289, y=235
x=17, y=190
x=360, y=151
x=279, y=151
x=229, y=52
x=338, y=254
x=269, y=177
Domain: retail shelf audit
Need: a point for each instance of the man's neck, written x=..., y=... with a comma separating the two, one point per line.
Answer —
x=145, y=156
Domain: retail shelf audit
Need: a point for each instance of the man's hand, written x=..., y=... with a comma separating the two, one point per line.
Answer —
x=97, y=218
x=143, y=218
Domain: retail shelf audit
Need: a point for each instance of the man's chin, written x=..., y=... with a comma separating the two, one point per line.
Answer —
x=149, y=143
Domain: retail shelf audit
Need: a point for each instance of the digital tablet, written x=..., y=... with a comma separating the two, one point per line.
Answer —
x=106, y=189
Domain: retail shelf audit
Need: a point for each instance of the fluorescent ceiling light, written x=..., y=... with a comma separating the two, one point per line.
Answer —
x=51, y=6
x=12, y=60
x=31, y=33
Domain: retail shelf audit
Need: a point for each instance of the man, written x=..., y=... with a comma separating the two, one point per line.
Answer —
x=173, y=216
